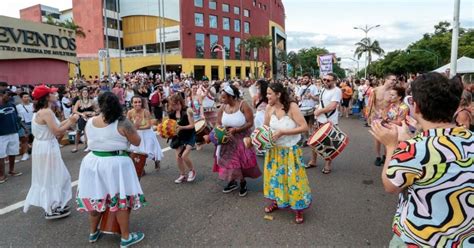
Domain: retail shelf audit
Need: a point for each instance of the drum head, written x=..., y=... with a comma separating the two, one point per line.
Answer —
x=320, y=133
x=199, y=125
x=139, y=153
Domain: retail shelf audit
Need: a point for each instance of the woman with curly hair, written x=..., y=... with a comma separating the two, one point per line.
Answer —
x=107, y=178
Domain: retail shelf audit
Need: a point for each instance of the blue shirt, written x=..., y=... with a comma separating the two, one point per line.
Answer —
x=8, y=119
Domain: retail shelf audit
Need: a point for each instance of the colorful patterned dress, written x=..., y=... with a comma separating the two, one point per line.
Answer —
x=285, y=180
x=397, y=111
x=436, y=168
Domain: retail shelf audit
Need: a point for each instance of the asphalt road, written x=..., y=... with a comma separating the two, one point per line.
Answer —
x=350, y=207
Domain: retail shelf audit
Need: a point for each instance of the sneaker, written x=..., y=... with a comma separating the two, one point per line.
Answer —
x=93, y=237
x=181, y=179
x=230, y=187
x=86, y=149
x=133, y=238
x=57, y=215
x=243, y=189
x=14, y=174
x=25, y=157
x=378, y=161
x=4, y=179
x=66, y=208
x=191, y=175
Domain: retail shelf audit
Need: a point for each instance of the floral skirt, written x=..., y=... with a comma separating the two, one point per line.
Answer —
x=285, y=180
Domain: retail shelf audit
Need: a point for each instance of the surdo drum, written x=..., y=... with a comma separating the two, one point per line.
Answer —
x=328, y=141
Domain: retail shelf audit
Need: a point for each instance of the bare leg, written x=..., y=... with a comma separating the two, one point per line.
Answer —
x=94, y=219
x=23, y=145
x=180, y=162
x=314, y=158
x=328, y=165
x=76, y=141
x=2, y=168
x=11, y=161
x=185, y=157
x=123, y=219
x=378, y=148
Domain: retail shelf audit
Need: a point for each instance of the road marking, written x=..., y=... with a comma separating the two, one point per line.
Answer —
x=20, y=204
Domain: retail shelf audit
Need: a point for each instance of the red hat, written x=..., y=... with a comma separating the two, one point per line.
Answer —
x=42, y=90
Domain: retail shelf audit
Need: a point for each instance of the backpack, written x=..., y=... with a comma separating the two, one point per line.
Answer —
x=155, y=100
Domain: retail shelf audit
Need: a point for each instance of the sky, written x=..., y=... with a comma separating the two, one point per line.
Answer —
x=330, y=23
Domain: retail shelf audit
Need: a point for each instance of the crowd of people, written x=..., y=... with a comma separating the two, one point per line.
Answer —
x=422, y=130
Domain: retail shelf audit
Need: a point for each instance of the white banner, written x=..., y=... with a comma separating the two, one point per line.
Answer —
x=325, y=64
x=171, y=34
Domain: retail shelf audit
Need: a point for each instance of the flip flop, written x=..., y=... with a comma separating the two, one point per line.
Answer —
x=309, y=166
x=326, y=171
x=74, y=150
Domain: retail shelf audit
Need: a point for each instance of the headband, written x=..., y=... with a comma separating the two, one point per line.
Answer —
x=229, y=90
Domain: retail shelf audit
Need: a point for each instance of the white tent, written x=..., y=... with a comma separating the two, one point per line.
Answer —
x=465, y=65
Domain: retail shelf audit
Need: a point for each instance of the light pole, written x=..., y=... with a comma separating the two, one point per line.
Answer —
x=366, y=30
x=357, y=61
x=223, y=56
x=455, y=40
x=424, y=50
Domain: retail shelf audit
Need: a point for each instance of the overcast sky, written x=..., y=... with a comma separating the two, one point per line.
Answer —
x=329, y=23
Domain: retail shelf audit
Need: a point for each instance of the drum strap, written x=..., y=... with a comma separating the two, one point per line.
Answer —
x=322, y=105
x=302, y=94
x=110, y=154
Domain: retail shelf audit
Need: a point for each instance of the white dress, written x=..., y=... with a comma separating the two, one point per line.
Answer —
x=149, y=145
x=107, y=180
x=50, y=179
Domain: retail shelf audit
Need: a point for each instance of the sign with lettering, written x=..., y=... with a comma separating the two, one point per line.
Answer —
x=21, y=39
x=171, y=34
x=325, y=64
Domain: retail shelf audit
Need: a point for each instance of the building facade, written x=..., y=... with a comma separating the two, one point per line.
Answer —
x=192, y=28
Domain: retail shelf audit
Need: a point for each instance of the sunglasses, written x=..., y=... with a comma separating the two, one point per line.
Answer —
x=326, y=80
x=137, y=101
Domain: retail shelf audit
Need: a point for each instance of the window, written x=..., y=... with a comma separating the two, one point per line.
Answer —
x=198, y=3
x=212, y=4
x=237, y=49
x=199, y=19
x=237, y=25
x=213, y=39
x=227, y=46
x=212, y=21
x=226, y=23
x=199, y=45
x=225, y=7
x=112, y=23
x=237, y=10
x=246, y=13
x=246, y=27
x=254, y=3
x=264, y=7
x=110, y=5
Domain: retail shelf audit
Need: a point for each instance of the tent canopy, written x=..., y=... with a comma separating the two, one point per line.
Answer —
x=465, y=65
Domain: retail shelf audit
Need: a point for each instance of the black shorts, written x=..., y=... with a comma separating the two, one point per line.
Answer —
x=309, y=119
x=345, y=102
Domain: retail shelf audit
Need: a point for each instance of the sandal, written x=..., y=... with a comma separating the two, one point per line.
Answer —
x=74, y=150
x=270, y=208
x=14, y=173
x=326, y=171
x=309, y=166
x=299, y=217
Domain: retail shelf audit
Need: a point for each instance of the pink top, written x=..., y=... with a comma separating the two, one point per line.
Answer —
x=120, y=95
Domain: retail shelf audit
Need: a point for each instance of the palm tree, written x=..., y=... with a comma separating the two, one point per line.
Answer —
x=293, y=61
x=256, y=44
x=366, y=46
x=250, y=44
x=72, y=25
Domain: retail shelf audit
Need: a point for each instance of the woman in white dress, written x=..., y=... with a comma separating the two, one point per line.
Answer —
x=141, y=118
x=50, y=179
x=260, y=102
x=107, y=178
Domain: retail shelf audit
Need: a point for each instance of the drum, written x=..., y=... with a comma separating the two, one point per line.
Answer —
x=108, y=222
x=217, y=136
x=202, y=129
x=262, y=138
x=307, y=111
x=167, y=129
x=328, y=141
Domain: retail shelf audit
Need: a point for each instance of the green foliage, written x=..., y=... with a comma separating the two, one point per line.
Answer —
x=307, y=58
x=366, y=46
x=424, y=52
x=257, y=44
x=70, y=24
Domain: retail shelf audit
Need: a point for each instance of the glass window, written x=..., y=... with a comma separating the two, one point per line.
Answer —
x=246, y=27
x=237, y=10
x=212, y=21
x=226, y=23
x=213, y=39
x=198, y=3
x=227, y=46
x=254, y=3
x=225, y=7
x=199, y=19
x=212, y=4
x=246, y=13
x=237, y=25
x=112, y=23
x=237, y=49
x=110, y=5
x=199, y=45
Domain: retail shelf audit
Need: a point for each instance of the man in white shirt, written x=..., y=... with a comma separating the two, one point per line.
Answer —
x=327, y=111
x=307, y=96
x=25, y=113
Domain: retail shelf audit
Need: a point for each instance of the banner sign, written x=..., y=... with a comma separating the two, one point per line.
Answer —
x=325, y=63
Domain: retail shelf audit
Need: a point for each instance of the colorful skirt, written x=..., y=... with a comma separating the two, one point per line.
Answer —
x=285, y=180
x=235, y=161
x=108, y=182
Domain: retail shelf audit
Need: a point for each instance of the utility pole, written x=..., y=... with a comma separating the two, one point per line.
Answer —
x=455, y=40
x=106, y=40
x=164, y=31
x=366, y=31
x=119, y=39
x=160, y=32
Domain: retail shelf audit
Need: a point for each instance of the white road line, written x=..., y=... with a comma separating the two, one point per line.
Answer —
x=18, y=205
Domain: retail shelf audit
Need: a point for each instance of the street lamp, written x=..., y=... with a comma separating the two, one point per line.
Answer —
x=217, y=48
x=427, y=51
x=355, y=60
x=366, y=30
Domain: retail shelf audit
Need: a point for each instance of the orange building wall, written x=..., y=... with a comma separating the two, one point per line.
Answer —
x=88, y=15
x=32, y=13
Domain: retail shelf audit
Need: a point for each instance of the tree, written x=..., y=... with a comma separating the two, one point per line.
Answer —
x=366, y=46
x=257, y=44
x=70, y=24
x=293, y=60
